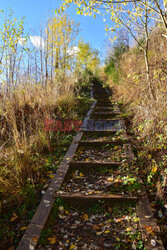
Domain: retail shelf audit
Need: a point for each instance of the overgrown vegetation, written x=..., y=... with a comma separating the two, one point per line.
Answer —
x=51, y=79
x=112, y=68
x=39, y=84
x=147, y=121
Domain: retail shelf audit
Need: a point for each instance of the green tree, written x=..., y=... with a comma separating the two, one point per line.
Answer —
x=114, y=56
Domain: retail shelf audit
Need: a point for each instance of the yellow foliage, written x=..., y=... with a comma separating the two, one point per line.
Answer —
x=61, y=32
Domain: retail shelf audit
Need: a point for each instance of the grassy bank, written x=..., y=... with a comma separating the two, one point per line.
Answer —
x=30, y=155
x=146, y=116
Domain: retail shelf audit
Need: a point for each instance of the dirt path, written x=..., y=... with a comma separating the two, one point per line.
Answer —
x=100, y=199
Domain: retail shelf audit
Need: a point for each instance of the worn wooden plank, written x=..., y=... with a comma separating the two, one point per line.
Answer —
x=106, y=119
x=102, y=125
x=105, y=108
x=100, y=143
x=105, y=113
x=147, y=222
x=101, y=133
x=94, y=164
x=96, y=196
x=99, y=103
x=100, y=130
x=86, y=119
x=128, y=151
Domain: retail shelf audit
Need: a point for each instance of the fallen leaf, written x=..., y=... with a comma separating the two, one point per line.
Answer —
x=99, y=233
x=61, y=208
x=72, y=247
x=148, y=216
x=149, y=156
x=118, y=220
x=35, y=238
x=43, y=192
x=85, y=217
x=107, y=231
x=96, y=227
x=23, y=228
x=14, y=217
x=110, y=179
x=52, y=240
x=160, y=214
x=154, y=169
x=49, y=172
x=149, y=230
x=153, y=243
x=62, y=216
x=128, y=229
x=107, y=245
x=51, y=176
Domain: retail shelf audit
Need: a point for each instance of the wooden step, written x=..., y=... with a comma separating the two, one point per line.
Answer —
x=95, y=196
x=102, y=133
x=103, y=125
x=105, y=117
x=113, y=119
x=105, y=113
x=103, y=107
x=100, y=130
x=104, y=120
x=104, y=110
x=100, y=103
x=128, y=151
x=94, y=164
x=100, y=143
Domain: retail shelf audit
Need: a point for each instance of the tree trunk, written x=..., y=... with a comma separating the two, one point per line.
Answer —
x=46, y=60
x=165, y=6
x=36, y=71
x=41, y=57
x=146, y=56
x=148, y=74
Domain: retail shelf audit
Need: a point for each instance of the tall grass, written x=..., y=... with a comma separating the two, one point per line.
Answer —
x=149, y=117
x=22, y=115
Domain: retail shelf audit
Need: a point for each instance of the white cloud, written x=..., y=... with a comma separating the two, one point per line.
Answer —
x=22, y=41
x=37, y=41
x=73, y=50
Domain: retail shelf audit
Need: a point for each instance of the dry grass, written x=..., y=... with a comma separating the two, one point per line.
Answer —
x=22, y=115
x=133, y=88
x=149, y=117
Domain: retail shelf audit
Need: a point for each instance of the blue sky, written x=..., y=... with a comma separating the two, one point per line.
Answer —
x=36, y=13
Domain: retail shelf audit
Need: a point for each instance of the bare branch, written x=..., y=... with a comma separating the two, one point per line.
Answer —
x=130, y=31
